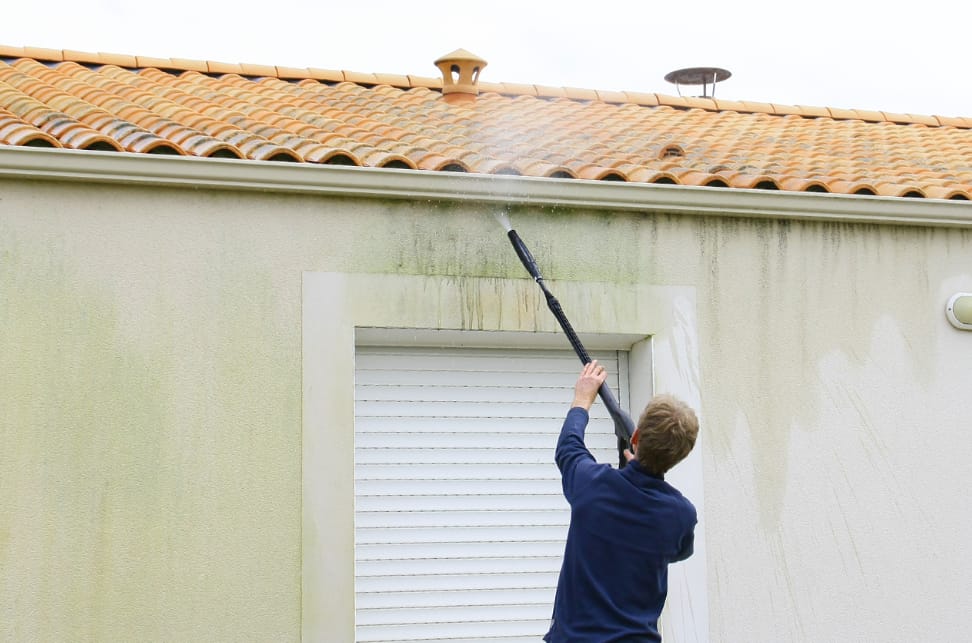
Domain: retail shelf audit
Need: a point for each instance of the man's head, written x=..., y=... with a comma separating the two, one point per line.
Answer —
x=666, y=433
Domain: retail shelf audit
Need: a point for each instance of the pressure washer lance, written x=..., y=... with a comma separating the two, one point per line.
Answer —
x=623, y=426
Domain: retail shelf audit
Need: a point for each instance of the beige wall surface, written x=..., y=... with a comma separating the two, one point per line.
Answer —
x=150, y=385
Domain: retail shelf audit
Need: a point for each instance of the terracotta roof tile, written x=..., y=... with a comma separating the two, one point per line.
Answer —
x=203, y=108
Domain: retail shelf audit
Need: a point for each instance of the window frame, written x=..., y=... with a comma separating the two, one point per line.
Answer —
x=655, y=324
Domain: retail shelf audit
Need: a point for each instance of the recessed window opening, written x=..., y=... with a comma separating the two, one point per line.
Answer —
x=468, y=519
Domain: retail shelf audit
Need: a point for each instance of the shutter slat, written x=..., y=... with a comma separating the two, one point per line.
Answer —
x=471, y=518
x=471, y=566
x=441, y=550
x=456, y=582
x=478, y=632
x=391, y=471
x=453, y=393
x=440, y=487
x=411, y=599
x=459, y=503
x=373, y=536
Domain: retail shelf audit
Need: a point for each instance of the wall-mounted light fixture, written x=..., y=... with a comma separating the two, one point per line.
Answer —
x=959, y=310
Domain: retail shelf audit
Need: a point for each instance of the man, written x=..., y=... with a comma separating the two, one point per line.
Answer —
x=626, y=525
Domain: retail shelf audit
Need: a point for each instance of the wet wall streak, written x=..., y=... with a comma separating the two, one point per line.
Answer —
x=830, y=405
x=778, y=295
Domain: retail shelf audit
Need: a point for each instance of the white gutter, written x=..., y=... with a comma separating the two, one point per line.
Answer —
x=230, y=174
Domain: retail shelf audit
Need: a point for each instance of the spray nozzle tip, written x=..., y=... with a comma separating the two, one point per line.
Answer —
x=503, y=217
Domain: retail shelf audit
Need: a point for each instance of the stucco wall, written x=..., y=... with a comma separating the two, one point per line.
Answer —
x=150, y=379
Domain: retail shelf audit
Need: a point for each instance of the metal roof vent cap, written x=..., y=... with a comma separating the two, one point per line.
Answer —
x=460, y=76
x=705, y=76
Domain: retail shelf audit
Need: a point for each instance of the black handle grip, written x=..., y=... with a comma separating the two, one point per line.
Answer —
x=524, y=254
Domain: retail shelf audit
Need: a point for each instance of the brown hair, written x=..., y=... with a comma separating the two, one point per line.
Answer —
x=667, y=430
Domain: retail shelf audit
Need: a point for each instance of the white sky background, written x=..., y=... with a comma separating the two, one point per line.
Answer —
x=857, y=54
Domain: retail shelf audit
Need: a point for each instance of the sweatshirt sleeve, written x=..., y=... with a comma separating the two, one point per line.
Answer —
x=575, y=462
x=686, y=545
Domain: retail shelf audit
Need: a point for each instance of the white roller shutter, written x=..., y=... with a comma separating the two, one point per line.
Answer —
x=459, y=518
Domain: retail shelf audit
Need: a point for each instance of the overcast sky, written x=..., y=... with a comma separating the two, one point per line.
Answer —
x=891, y=56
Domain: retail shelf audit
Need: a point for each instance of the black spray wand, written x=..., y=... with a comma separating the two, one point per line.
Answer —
x=623, y=426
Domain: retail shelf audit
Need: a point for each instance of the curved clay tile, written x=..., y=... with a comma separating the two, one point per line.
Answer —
x=87, y=139
x=275, y=153
x=206, y=146
x=895, y=189
x=260, y=149
x=340, y=157
x=148, y=144
x=800, y=184
x=951, y=193
x=755, y=182
x=54, y=123
x=425, y=160
x=600, y=173
x=695, y=177
x=540, y=168
x=380, y=158
x=309, y=150
x=642, y=174
x=13, y=131
x=848, y=186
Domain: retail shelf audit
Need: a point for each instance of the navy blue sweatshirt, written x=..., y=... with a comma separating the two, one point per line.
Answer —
x=626, y=526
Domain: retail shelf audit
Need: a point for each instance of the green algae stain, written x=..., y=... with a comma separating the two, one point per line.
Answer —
x=150, y=457
x=83, y=415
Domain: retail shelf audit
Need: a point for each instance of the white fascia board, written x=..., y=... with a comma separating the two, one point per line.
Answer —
x=231, y=174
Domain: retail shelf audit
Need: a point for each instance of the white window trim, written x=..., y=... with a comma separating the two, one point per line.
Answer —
x=335, y=304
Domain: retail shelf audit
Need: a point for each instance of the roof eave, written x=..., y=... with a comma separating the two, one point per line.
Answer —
x=229, y=174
